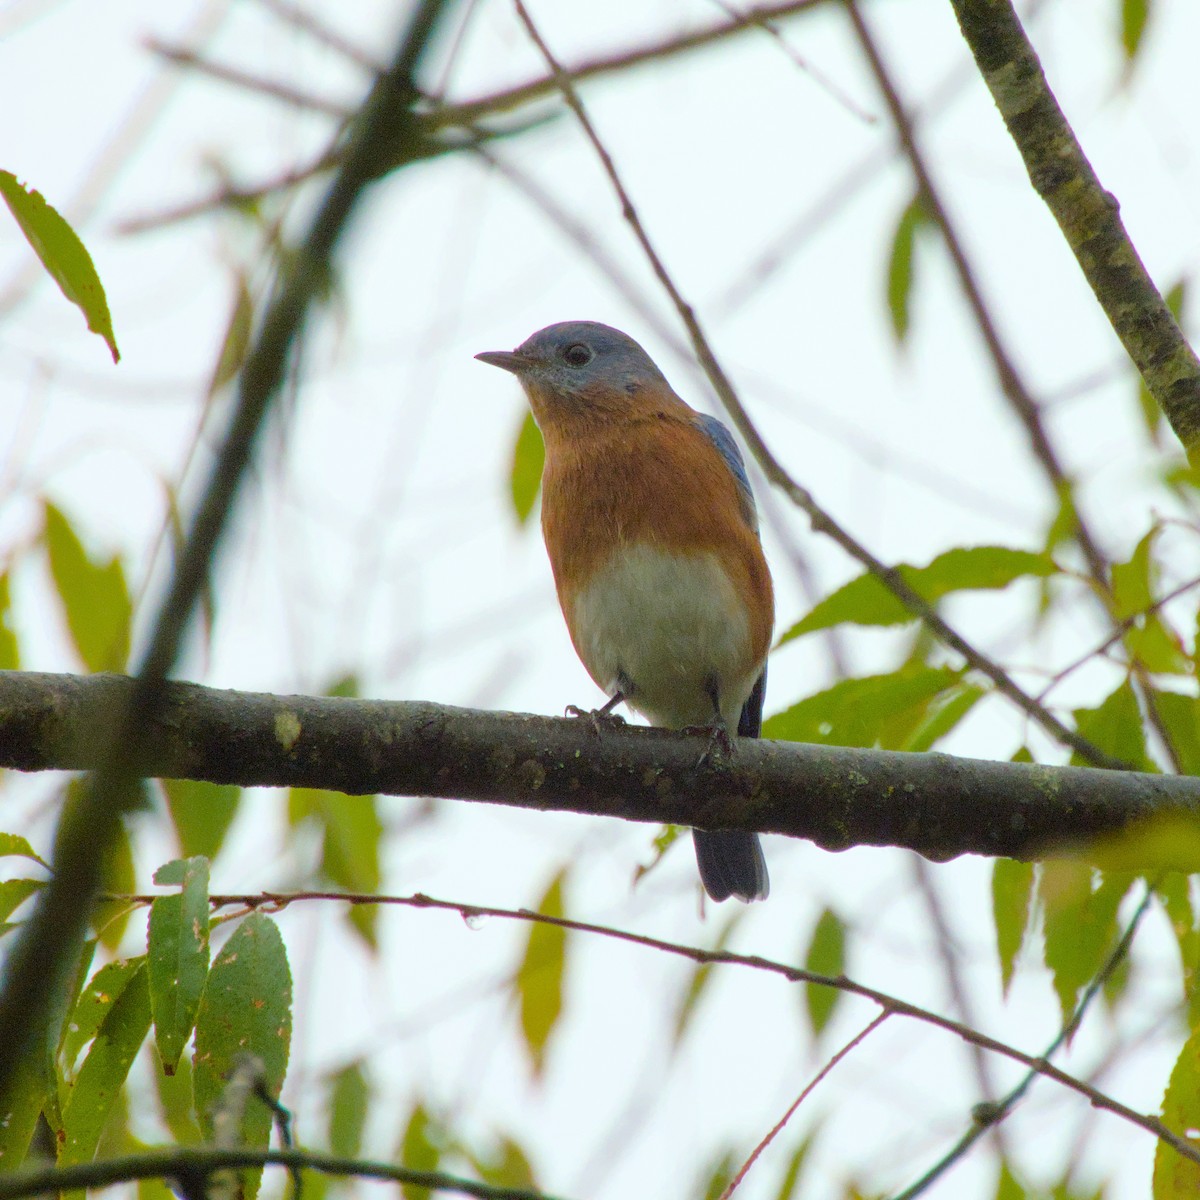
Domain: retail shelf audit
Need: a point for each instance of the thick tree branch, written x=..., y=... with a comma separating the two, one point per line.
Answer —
x=1088, y=215
x=938, y=805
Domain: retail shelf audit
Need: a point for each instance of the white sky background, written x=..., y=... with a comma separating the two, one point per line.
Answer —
x=377, y=537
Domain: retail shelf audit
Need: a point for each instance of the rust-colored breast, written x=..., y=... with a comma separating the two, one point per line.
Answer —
x=654, y=478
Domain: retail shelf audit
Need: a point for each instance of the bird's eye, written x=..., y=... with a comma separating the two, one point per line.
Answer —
x=577, y=354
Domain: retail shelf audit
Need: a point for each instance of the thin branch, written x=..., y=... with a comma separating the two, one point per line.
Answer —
x=775, y=472
x=781, y=1124
x=1088, y=216
x=888, y=1003
x=936, y=804
x=48, y=943
x=991, y=1115
x=199, y=1162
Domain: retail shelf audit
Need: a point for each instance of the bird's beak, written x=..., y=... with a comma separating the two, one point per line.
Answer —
x=506, y=360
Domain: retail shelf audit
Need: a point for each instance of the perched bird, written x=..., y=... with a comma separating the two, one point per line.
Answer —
x=652, y=534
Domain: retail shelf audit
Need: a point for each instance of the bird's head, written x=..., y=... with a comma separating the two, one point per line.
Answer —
x=581, y=368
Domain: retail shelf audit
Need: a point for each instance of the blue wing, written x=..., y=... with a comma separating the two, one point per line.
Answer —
x=728, y=448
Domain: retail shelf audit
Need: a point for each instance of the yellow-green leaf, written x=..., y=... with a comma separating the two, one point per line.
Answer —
x=826, y=955
x=10, y=658
x=539, y=981
x=178, y=955
x=246, y=1009
x=1176, y=1177
x=525, y=472
x=1012, y=892
x=63, y=255
x=94, y=596
x=866, y=601
x=201, y=813
x=701, y=976
x=117, y=1041
x=348, y=1110
x=900, y=266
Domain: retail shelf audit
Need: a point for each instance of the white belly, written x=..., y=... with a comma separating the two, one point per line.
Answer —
x=669, y=623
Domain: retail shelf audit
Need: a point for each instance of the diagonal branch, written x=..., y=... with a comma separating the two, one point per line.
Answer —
x=1088, y=216
x=936, y=804
x=777, y=474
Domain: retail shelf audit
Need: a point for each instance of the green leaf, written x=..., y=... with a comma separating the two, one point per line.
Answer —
x=1176, y=1177
x=1012, y=892
x=1180, y=716
x=246, y=1009
x=508, y=1166
x=1133, y=581
x=350, y=848
x=702, y=973
x=20, y=1106
x=201, y=813
x=95, y=1002
x=350, y=1104
x=1167, y=842
x=826, y=955
x=900, y=266
x=539, y=981
x=176, y=1103
x=14, y=892
x=10, y=659
x=94, y=596
x=1115, y=726
x=178, y=955
x=1134, y=15
x=866, y=601
x=664, y=839
x=719, y=1174
x=63, y=255
x=946, y=712
x=109, y=918
x=420, y=1150
x=236, y=340
x=874, y=710
x=791, y=1173
x=525, y=473
x=13, y=845
x=1080, y=924
x=102, y=1075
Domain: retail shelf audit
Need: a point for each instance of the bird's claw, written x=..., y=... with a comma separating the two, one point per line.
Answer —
x=598, y=717
x=719, y=741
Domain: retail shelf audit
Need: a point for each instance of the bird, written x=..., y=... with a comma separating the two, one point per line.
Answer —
x=652, y=534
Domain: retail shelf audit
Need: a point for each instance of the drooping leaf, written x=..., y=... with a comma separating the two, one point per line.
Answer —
x=109, y=918
x=246, y=1009
x=1079, y=923
x=1167, y=842
x=10, y=658
x=236, y=341
x=944, y=715
x=539, y=981
x=178, y=956
x=421, y=1147
x=881, y=710
x=717, y=1176
x=664, y=839
x=507, y=1166
x=201, y=813
x=1180, y=716
x=94, y=596
x=525, y=473
x=826, y=955
x=1176, y=1177
x=13, y=845
x=1012, y=893
x=1134, y=15
x=348, y=1110
x=1115, y=726
x=866, y=601
x=176, y=1102
x=96, y=1088
x=701, y=976
x=795, y=1164
x=352, y=832
x=63, y=255
x=14, y=892
x=20, y=1105
x=900, y=272
x=95, y=1002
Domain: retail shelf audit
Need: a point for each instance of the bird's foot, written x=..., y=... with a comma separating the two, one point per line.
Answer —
x=719, y=741
x=599, y=717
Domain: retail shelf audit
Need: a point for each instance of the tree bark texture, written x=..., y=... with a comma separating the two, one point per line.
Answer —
x=939, y=805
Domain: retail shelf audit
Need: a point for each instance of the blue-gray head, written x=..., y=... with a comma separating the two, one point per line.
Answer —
x=591, y=364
